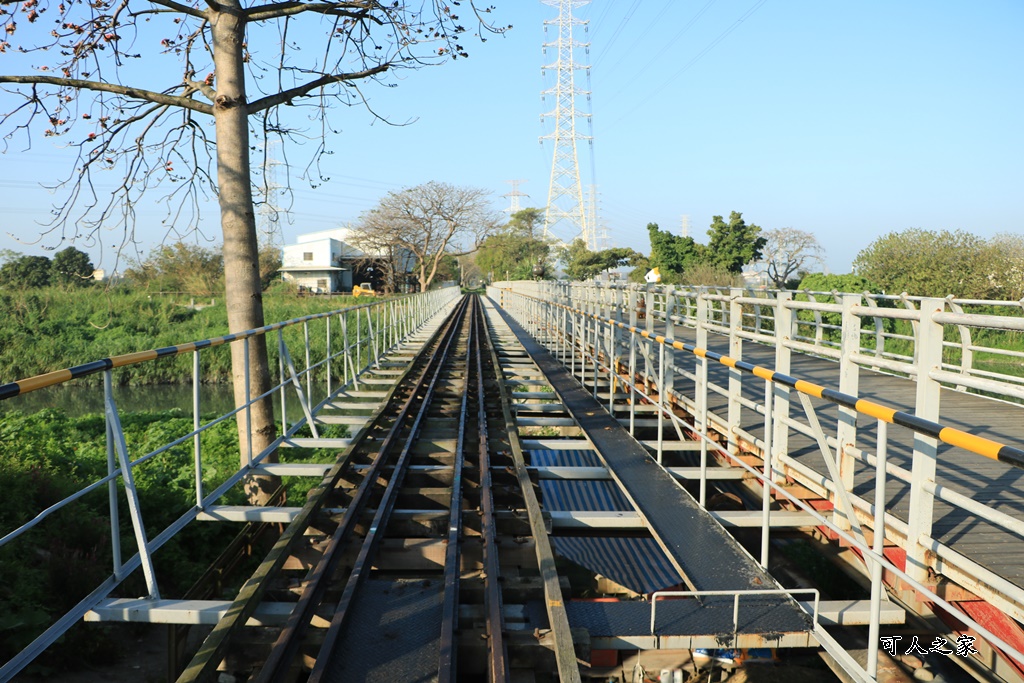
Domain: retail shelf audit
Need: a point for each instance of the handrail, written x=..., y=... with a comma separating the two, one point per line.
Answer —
x=978, y=445
x=735, y=594
x=398, y=318
x=48, y=379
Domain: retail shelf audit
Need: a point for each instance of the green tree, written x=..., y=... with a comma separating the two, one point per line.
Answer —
x=514, y=250
x=583, y=264
x=25, y=272
x=734, y=244
x=672, y=254
x=179, y=267
x=71, y=267
x=930, y=263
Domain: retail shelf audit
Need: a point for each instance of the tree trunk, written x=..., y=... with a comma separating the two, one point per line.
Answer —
x=243, y=290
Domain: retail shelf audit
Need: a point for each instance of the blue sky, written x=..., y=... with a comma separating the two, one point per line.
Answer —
x=848, y=120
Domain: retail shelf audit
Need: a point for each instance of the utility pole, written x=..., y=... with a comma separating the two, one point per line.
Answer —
x=565, y=209
x=514, y=196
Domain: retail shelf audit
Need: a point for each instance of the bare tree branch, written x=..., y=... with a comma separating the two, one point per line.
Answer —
x=787, y=252
x=126, y=90
x=335, y=9
x=428, y=221
x=285, y=97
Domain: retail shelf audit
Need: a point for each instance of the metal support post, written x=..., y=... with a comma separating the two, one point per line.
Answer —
x=878, y=546
x=849, y=382
x=197, y=438
x=784, y=331
x=298, y=390
x=929, y=358
x=766, y=501
x=248, y=402
x=735, y=376
x=309, y=375
x=134, y=508
x=702, y=391
x=328, y=321
x=280, y=367
x=115, y=518
x=662, y=404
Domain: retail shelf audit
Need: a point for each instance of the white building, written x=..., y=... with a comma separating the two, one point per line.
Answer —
x=325, y=262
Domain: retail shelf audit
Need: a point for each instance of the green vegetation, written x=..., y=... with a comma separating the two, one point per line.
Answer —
x=192, y=269
x=513, y=251
x=940, y=263
x=52, y=328
x=583, y=264
x=47, y=456
x=681, y=260
x=69, y=268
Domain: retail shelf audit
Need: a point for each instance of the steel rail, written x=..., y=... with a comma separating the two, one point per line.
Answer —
x=363, y=563
x=204, y=663
x=497, y=646
x=979, y=445
x=446, y=669
x=558, y=619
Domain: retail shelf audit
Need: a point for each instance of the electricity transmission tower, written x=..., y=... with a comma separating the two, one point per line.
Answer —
x=565, y=208
x=270, y=232
x=597, y=235
x=514, y=196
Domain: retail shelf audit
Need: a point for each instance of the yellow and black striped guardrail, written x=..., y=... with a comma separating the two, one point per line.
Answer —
x=950, y=435
x=24, y=386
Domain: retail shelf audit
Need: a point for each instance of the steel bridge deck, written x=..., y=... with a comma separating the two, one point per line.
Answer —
x=701, y=550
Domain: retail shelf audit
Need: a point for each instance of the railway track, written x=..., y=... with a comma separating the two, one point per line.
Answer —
x=400, y=565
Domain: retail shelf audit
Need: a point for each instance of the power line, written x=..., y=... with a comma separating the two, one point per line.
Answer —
x=722, y=36
x=693, y=20
x=618, y=31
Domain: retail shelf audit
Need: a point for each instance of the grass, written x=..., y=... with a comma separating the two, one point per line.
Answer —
x=52, y=328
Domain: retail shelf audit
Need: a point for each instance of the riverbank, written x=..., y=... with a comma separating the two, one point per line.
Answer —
x=51, y=328
x=45, y=457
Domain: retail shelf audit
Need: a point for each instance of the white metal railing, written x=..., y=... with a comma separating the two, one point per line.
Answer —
x=735, y=595
x=356, y=338
x=597, y=332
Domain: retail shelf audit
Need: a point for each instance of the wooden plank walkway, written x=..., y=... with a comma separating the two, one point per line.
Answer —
x=995, y=484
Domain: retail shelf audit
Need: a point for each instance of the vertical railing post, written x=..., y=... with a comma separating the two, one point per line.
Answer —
x=879, y=547
x=197, y=438
x=849, y=383
x=662, y=403
x=115, y=518
x=309, y=375
x=248, y=402
x=766, y=501
x=280, y=367
x=928, y=358
x=616, y=351
x=784, y=331
x=735, y=376
x=702, y=390
x=359, y=348
x=631, y=301
x=132, y=493
x=328, y=363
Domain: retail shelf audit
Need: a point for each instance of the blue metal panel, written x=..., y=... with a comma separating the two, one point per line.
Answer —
x=636, y=563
